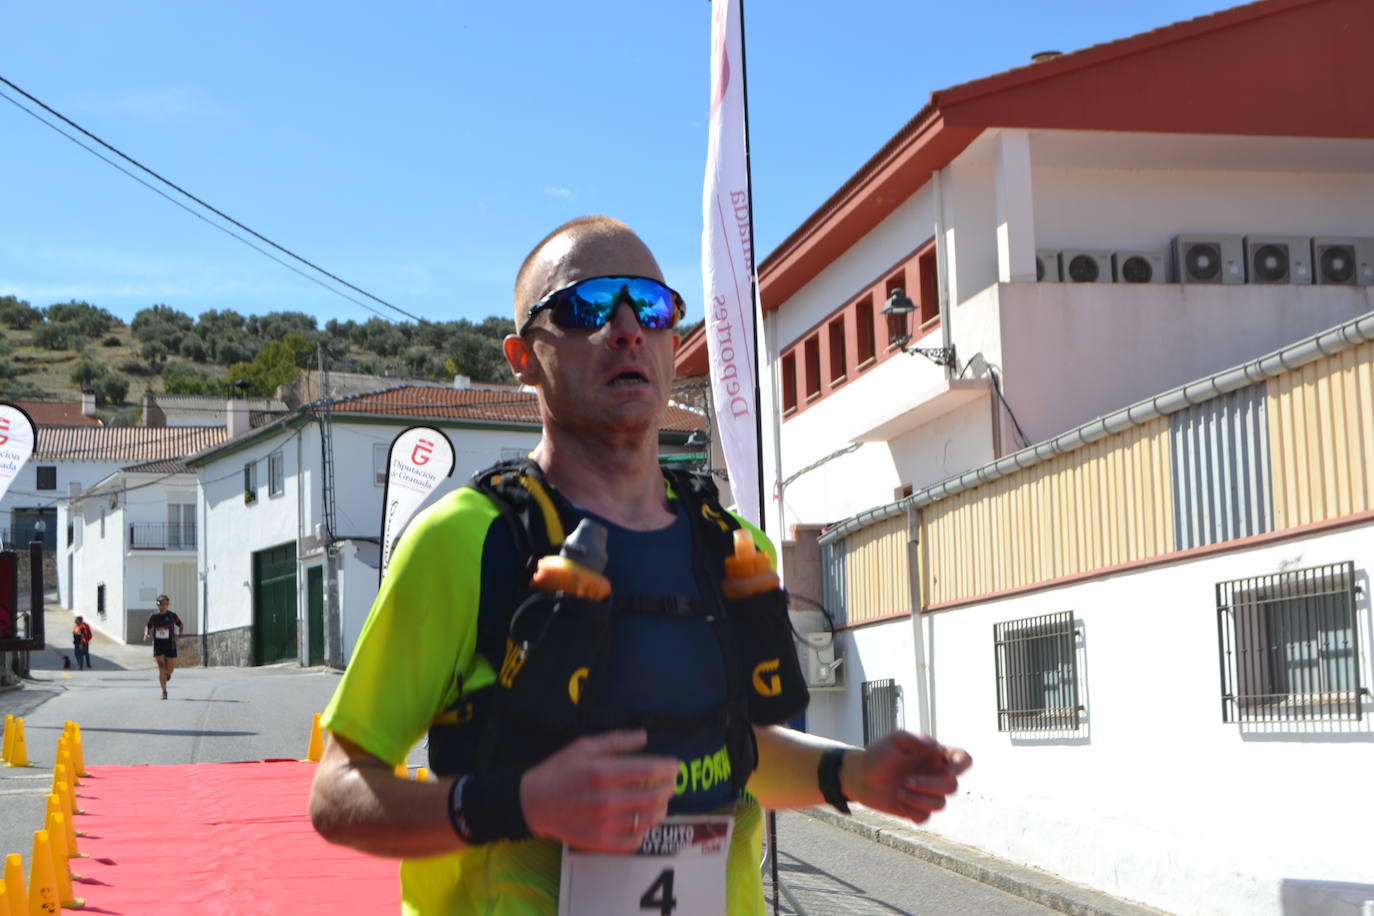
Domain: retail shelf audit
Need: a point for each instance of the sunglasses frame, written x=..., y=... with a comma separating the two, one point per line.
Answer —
x=553, y=299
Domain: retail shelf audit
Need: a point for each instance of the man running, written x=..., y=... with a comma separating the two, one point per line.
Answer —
x=163, y=628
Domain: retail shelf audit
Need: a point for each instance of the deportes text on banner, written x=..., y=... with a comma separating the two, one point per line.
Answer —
x=419, y=461
x=17, y=434
x=727, y=262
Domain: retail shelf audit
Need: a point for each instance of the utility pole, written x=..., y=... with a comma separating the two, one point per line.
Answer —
x=333, y=629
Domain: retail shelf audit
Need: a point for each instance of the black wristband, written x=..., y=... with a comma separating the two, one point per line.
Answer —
x=828, y=778
x=485, y=807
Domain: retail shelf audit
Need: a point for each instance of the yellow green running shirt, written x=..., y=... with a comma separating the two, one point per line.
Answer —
x=456, y=560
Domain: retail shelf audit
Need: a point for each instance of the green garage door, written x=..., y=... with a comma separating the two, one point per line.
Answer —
x=314, y=600
x=274, y=605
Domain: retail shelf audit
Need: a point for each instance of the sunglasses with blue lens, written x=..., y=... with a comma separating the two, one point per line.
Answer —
x=589, y=304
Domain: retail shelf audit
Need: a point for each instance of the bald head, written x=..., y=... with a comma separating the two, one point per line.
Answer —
x=589, y=246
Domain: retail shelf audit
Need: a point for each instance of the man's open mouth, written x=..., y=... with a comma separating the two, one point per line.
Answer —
x=629, y=377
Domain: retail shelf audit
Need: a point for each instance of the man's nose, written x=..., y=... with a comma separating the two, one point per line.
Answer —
x=624, y=328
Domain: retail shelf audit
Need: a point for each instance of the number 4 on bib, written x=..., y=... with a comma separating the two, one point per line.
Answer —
x=659, y=896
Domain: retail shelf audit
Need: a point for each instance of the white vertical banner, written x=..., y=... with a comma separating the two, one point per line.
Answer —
x=419, y=460
x=17, y=436
x=727, y=262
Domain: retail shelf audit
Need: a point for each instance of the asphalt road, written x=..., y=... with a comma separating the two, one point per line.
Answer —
x=828, y=871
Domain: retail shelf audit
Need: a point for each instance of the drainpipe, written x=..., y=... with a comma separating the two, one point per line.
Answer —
x=918, y=640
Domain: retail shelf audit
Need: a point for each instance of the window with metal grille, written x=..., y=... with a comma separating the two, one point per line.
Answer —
x=1037, y=673
x=1289, y=646
x=276, y=474
x=881, y=702
x=47, y=477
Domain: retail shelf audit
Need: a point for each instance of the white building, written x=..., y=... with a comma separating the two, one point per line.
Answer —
x=33, y=494
x=134, y=537
x=263, y=594
x=990, y=210
x=74, y=458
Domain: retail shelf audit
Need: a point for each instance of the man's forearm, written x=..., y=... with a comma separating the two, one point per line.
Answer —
x=786, y=774
x=357, y=801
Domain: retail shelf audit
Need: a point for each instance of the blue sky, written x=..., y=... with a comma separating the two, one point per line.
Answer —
x=419, y=152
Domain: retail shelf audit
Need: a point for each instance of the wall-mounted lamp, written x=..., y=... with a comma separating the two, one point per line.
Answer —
x=897, y=310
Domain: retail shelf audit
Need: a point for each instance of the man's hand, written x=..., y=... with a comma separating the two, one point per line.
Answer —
x=903, y=774
x=596, y=794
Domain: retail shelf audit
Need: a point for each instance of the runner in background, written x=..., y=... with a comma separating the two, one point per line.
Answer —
x=164, y=626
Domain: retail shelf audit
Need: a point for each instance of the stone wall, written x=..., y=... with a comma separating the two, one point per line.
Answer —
x=232, y=648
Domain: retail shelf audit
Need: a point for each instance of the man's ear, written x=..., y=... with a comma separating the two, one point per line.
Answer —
x=520, y=358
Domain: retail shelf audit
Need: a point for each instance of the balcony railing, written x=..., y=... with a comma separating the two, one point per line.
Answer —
x=161, y=536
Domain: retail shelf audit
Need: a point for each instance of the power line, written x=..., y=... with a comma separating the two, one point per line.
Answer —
x=220, y=213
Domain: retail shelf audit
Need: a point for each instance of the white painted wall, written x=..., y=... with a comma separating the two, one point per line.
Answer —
x=234, y=530
x=1114, y=208
x=100, y=561
x=1075, y=351
x=1156, y=799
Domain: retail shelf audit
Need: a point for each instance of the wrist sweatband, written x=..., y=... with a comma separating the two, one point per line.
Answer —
x=485, y=807
x=828, y=778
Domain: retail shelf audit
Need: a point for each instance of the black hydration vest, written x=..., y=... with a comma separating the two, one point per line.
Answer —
x=548, y=647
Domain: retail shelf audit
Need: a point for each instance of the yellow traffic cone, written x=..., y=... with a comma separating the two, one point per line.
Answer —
x=402, y=771
x=61, y=778
x=77, y=756
x=14, y=887
x=19, y=752
x=421, y=775
x=316, y=749
x=43, y=898
x=61, y=793
x=64, y=757
x=9, y=739
x=72, y=781
x=50, y=821
x=61, y=870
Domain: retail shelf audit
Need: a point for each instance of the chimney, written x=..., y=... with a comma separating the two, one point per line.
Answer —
x=236, y=417
x=87, y=402
x=462, y=382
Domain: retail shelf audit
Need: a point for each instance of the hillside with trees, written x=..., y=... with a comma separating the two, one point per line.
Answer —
x=55, y=353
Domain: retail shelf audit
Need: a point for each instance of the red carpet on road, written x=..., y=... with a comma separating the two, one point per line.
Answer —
x=217, y=838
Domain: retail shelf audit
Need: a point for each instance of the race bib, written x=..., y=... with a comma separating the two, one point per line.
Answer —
x=162, y=632
x=678, y=870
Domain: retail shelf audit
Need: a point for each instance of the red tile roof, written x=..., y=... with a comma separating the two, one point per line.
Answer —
x=123, y=444
x=493, y=406
x=57, y=413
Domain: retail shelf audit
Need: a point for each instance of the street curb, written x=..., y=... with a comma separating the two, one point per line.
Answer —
x=1033, y=884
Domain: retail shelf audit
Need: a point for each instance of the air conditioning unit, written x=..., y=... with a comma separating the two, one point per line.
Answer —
x=822, y=668
x=1278, y=259
x=1138, y=267
x=1046, y=265
x=1078, y=266
x=1209, y=259
x=1343, y=260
